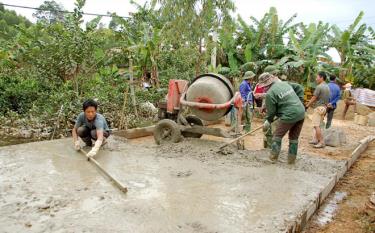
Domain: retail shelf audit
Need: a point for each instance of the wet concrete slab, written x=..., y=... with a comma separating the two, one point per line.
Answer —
x=184, y=187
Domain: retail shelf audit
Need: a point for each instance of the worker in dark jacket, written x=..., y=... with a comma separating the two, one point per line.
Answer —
x=283, y=102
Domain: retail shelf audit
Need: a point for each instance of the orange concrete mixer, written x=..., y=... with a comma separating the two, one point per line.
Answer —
x=209, y=97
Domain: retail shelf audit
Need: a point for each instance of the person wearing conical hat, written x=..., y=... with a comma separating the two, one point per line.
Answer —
x=348, y=99
x=282, y=102
x=272, y=69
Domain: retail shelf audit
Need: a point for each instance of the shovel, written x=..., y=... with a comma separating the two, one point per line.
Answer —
x=240, y=137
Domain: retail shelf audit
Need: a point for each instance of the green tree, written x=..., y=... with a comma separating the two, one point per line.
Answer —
x=50, y=12
x=9, y=20
x=190, y=23
x=306, y=49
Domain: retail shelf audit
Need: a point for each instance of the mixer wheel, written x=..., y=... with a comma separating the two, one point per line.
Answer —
x=193, y=120
x=167, y=131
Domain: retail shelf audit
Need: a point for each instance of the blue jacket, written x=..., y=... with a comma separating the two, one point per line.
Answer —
x=246, y=92
x=334, y=93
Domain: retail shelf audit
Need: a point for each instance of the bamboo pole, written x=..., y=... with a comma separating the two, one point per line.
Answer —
x=123, y=120
x=58, y=122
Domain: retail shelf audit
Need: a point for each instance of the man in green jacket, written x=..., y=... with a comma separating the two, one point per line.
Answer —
x=283, y=102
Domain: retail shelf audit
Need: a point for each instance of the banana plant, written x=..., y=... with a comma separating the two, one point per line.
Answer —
x=348, y=44
x=307, y=49
x=263, y=39
x=149, y=50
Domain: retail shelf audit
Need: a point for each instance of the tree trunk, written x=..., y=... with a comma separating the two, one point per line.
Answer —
x=342, y=73
x=155, y=75
x=198, y=63
x=144, y=75
x=213, y=53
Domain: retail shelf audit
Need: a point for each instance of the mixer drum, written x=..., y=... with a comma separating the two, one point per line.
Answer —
x=213, y=89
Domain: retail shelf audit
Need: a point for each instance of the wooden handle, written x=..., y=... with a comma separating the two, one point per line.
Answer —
x=117, y=183
x=242, y=136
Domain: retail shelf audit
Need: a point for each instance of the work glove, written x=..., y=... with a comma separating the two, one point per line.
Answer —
x=266, y=126
x=77, y=145
x=95, y=149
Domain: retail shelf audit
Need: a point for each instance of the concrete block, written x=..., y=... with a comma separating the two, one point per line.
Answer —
x=359, y=149
x=350, y=163
x=342, y=172
x=360, y=120
x=314, y=206
x=334, y=137
x=371, y=119
x=327, y=190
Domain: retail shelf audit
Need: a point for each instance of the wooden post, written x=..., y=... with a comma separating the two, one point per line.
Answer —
x=123, y=121
x=132, y=87
x=57, y=124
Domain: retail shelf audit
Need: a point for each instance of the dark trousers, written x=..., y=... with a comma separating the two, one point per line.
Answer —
x=86, y=134
x=258, y=102
x=330, y=112
x=293, y=128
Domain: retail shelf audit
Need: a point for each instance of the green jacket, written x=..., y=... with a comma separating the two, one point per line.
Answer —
x=283, y=102
x=298, y=89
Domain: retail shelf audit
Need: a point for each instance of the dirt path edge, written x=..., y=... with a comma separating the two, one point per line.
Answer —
x=302, y=219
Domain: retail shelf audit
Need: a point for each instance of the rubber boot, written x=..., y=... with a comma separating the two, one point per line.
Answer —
x=265, y=144
x=248, y=118
x=292, y=153
x=275, y=149
x=233, y=118
x=267, y=139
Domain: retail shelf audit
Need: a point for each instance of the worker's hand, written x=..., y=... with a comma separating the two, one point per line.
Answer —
x=306, y=107
x=77, y=145
x=92, y=153
x=95, y=149
x=266, y=126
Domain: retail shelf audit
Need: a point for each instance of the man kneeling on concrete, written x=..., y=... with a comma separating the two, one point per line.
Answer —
x=89, y=126
x=283, y=102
